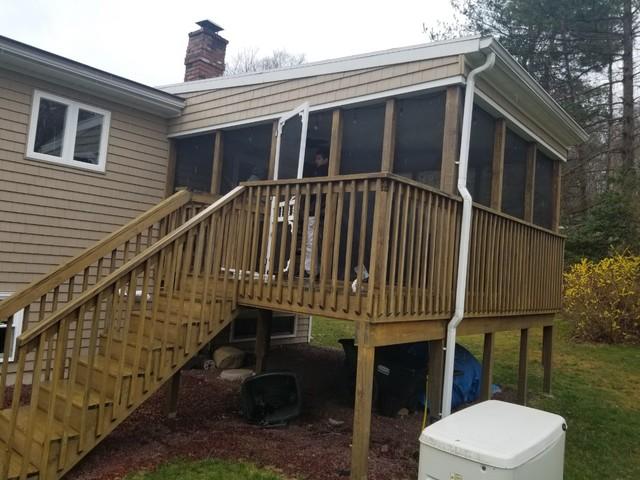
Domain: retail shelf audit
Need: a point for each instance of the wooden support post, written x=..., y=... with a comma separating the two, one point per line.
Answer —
x=335, y=146
x=547, y=357
x=451, y=140
x=173, y=387
x=530, y=183
x=487, y=366
x=362, y=413
x=497, y=168
x=216, y=168
x=389, y=136
x=523, y=366
x=171, y=169
x=272, y=154
x=436, y=379
x=263, y=338
x=556, y=195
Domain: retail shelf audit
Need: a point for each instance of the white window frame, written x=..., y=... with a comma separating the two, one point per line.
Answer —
x=294, y=334
x=17, y=330
x=70, y=127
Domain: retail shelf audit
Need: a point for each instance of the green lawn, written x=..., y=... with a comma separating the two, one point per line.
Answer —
x=206, y=470
x=596, y=388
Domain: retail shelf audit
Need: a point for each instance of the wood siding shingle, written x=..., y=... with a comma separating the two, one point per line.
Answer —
x=51, y=212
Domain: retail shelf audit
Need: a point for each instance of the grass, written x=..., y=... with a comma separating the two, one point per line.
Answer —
x=206, y=470
x=596, y=388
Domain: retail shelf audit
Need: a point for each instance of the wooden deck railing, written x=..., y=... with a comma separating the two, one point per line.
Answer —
x=384, y=248
x=45, y=295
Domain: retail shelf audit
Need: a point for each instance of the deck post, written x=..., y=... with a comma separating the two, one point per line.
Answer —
x=451, y=140
x=271, y=168
x=362, y=412
x=487, y=366
x=335, y=146
x=263, y=338
x=173, y=387
x=547, y=357
x=171, y=169
x=216, y=167
x=530, y=183
x=523, y=367
x=497, y=169
x=436, y=378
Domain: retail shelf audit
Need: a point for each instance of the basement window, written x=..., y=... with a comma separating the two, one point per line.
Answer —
x=10, y=333
x=243, y=328
x=67, y=132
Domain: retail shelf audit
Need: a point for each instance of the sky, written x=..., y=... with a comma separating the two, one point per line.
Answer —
x=146, y=40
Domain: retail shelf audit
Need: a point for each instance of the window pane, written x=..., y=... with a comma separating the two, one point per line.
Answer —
x=3, y=336
x=194, y=162
x=245, y=327
x=50, y=128
x=419, y=134
x=89, y=130
x=362, y=139
x=245, y=155
x=514, y=175
x=290, y=148
x=481, y=156
x=542, y=199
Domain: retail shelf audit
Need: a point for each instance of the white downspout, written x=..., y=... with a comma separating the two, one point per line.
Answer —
x=465, y=234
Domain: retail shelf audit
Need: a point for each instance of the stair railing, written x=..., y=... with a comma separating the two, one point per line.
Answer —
x=160, y=285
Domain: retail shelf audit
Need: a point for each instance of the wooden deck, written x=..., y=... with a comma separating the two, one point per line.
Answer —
x=107, y=329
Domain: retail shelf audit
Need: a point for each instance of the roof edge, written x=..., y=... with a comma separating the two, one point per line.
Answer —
x=423, y=51
x=18, y=56
x=491, y=44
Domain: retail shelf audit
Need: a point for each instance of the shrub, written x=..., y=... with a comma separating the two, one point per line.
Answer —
x=602, y=299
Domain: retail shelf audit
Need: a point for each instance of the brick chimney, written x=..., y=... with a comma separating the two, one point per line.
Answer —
x=205, y=52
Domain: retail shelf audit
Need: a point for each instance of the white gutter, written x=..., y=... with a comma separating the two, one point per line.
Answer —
x=465, y=234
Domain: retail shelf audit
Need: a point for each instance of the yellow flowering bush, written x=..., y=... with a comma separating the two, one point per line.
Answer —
x=602, y=299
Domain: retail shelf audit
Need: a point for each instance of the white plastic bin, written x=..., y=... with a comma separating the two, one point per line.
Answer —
x=494, y=441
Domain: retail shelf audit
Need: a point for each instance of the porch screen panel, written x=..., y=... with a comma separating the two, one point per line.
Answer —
x=514, y=175
x=245, y=155
x=194, y=162
x=481, y=156
x=419, y=137
x=318, y=134
x=362, y=139
x=542, y=197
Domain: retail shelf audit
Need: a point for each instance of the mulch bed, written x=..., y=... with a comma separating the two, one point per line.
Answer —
x=209, y=425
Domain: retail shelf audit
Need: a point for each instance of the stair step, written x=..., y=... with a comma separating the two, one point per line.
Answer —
x=15, y=464
x=40, y=425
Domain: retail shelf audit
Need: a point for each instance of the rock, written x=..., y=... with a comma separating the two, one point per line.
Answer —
x=403, y=412
x=335, y=423
x=228, y=357
x=235, y=374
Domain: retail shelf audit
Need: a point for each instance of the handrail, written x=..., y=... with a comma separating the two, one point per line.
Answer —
x=35, y=290
x=41, y=327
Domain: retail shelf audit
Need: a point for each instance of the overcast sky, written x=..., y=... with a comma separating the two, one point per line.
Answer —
x=146, y=40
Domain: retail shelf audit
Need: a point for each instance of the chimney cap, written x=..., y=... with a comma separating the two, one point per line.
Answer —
x=208, y=25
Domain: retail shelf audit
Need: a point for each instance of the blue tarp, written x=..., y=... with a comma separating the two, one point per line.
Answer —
x=467, y=374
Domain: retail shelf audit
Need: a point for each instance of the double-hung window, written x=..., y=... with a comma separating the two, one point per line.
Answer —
x=67, y=132
x=9, y=335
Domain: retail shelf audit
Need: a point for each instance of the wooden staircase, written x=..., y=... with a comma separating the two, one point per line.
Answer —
x=103, y=344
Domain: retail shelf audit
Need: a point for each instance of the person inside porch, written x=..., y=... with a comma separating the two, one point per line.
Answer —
x=318, y=167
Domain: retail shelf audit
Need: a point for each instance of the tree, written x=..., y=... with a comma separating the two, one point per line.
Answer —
x=249, y=60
